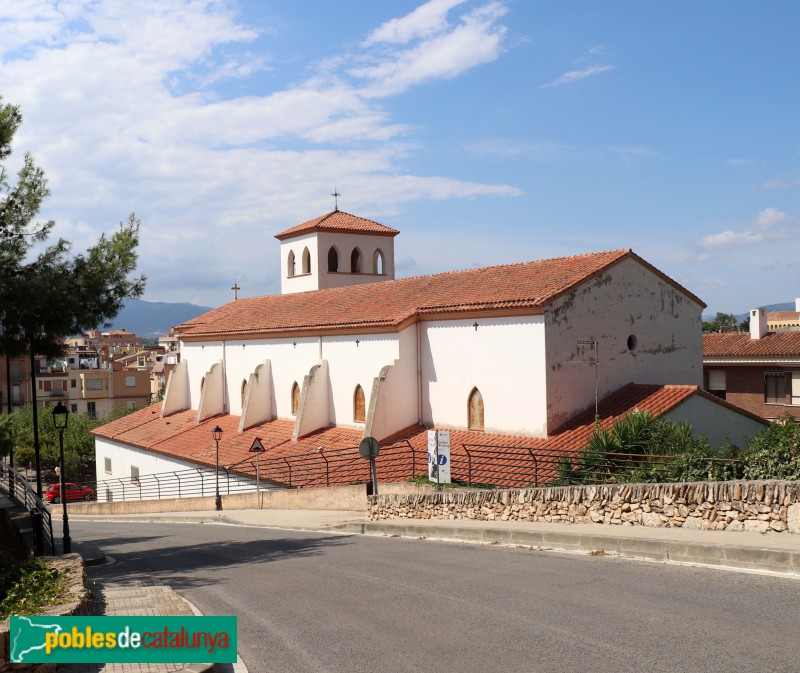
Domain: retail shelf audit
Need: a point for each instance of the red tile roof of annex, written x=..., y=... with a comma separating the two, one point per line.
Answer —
x=178, y=436
x=740, y=344
x=386, y=305
x=338, y=221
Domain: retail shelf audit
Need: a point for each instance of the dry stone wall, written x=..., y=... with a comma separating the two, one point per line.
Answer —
x=759, y=506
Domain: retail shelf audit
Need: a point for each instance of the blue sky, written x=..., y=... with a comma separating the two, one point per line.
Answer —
x=487, y=131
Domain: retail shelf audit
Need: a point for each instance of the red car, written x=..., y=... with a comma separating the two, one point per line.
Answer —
x=74, y=492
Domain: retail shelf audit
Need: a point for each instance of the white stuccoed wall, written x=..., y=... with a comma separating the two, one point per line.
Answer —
x=504, y=358
x=299, y=282
x=199, y=359
x=350, y=365
x=291, y=360
x=124, y=456
x=318, y=244
x=626, y=299
x=716, y=422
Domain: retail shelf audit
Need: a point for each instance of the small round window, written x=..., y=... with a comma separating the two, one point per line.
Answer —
x=632, y=343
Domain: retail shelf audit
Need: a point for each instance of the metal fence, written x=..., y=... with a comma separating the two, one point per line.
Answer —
x=471, y=465
x=189, y=483
x=17, y=487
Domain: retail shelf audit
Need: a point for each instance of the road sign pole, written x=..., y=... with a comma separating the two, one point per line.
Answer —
x=258, y=493
x=436, y=456
x=374, y=477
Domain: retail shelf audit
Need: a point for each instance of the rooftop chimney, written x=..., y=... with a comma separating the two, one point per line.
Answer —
x=797, y=304
x=758, y=323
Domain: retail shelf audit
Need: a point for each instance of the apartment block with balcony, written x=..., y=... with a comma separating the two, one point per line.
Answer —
x=758, y=372
x=15, y=383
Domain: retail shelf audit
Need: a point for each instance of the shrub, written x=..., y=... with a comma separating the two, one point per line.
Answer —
x=774, y=453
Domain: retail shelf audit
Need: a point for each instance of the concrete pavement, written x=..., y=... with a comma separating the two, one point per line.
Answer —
x=770, y=552
x=129, y=599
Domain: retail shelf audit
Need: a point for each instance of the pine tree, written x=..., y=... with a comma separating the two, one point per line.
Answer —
x=47, y=294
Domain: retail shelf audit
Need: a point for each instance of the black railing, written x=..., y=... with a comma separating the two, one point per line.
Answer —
x=472, y=465
x=19, y=490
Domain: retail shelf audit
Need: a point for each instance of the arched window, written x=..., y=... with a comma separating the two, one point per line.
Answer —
x=378, y=262
x=244, y=392
x=475, y=410
x=306, y=261
x=333, y=260
x=290, y=265
x=355, y=261
x=295, y=398
x=359, y=411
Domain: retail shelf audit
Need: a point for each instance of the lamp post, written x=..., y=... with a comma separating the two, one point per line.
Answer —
x=217, y=434
x=60, y=418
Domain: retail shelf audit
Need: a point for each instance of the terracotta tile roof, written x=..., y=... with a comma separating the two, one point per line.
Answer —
x=783, y=316
x=338, y=221
x=737, y=344
x=528, y=285
x=506, y=461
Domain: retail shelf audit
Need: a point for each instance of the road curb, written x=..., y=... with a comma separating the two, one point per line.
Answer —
x=728, y=556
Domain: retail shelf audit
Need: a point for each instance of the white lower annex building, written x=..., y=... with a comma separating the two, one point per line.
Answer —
x=512, y=355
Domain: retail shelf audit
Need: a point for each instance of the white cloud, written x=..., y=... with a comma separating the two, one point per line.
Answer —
x=475, y=40
x=577, y=75
x=424, y=21
x=124, y=109
x=765, y=228
x=781, y=184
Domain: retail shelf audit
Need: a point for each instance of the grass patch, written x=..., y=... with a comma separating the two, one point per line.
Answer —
x=28, y=589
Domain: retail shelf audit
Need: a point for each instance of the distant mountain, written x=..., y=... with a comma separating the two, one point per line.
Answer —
x=150, y=319
x=786, y=306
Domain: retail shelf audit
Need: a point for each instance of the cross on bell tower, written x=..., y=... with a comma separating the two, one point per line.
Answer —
x=235, y=289
x=335, y=196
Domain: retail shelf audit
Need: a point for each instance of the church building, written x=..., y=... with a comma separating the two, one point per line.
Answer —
x=513, y=355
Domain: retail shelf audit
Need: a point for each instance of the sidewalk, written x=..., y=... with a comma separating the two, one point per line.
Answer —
x=137, y=599
x=777, y=553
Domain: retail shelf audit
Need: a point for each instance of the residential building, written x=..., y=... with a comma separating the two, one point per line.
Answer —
x=783, y=321
x=114, y=343
x=15, y=388
x=758, y=371
x=97, y=391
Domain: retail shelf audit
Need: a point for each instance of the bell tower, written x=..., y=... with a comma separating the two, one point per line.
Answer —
x=335, y=250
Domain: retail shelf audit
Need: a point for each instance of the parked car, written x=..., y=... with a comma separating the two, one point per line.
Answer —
x=74, y=492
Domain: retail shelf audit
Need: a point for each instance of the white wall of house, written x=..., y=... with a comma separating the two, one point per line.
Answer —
x=318, y=244
x=716, y=421
x=627, y=300
x=504, y=358
x=116, y=485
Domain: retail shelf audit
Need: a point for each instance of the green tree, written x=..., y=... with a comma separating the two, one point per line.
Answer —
x=46, y=293
x=774, y=453
x=79, y=457
x=723, y=322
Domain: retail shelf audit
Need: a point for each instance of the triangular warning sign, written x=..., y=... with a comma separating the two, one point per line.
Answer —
x=257, y=446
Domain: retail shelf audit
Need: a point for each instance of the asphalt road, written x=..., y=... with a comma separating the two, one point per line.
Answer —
x=308, y=602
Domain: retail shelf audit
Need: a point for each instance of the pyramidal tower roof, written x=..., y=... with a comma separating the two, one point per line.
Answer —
x=341, y=222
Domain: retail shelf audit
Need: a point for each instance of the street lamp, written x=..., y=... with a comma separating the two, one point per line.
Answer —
x=60, y=418
x=216, y=433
